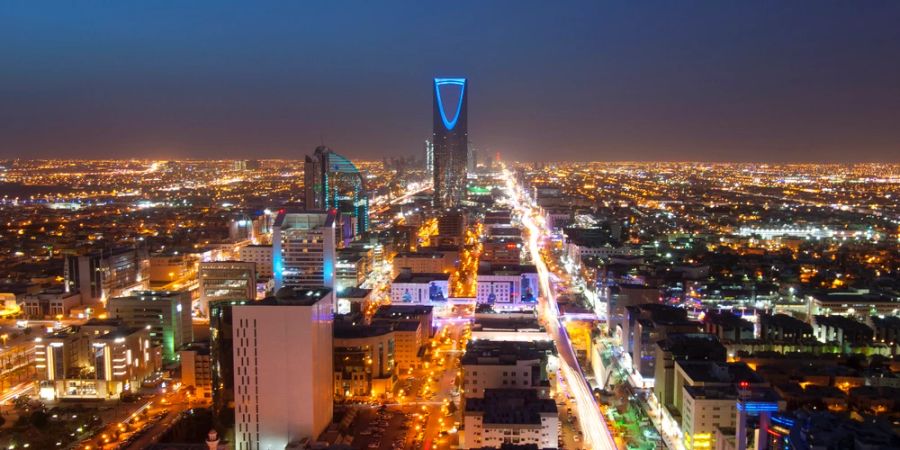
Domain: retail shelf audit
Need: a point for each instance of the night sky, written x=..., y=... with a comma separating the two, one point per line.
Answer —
x=711, y=81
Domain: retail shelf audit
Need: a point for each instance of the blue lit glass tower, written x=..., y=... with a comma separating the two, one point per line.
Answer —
x=331, y=181
x=450, y=137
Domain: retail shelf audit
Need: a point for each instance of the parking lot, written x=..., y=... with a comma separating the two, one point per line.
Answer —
x=380, y=428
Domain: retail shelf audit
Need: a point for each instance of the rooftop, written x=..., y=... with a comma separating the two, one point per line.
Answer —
x=297, y=297
x=421, y=277
x=511, y=406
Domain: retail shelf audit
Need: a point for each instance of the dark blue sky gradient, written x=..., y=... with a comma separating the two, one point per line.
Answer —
x=763, y=81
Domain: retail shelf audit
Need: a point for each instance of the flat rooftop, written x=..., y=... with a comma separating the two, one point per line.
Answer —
x=511, y=407
x=288, y=296
x=421, y=277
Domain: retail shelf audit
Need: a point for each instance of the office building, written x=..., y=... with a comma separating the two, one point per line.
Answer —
x=49, y=304
x=501, y=250
x=421, y=314
x=426, y=260
x=429, y=158
x=681, y=347
x=303, y=250
x=507, y=365
x=221, y=352
x=643, y=327
x=99, y=360
x=261, y=255
x=452, y=227
x=710, y=394
x=852, y=303
x=226, y=280
x=351, y=269
x=353, y=300
x=507, y=285
x=196, y=369
x=283, y=368
x=331, y=181
x=99, y=275
x=420, y=288
x=450, y=137
x=364, y=359
x=166, y=314
x=511, y=417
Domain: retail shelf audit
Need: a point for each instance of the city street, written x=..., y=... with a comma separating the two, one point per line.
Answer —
x=593, y=423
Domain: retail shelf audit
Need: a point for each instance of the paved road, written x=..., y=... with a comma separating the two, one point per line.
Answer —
x=592, y=422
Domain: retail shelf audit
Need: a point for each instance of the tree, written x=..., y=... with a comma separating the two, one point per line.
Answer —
x=39, y=419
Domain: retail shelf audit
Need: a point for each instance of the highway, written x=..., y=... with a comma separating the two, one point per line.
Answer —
x=593, y=425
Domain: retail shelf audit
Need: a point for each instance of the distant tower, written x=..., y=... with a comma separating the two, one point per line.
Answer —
x=313, y=180
x=429, y=157
x=331, y=181
x=450, y=138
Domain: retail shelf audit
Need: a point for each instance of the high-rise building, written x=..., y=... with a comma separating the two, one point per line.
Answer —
x=221, y=349
x=166, y=314
x=226, y=280
x=429, y=157
x=303, y=250
x=450, y=137
x=331, y=181
x=99, y=275
x=283, y=378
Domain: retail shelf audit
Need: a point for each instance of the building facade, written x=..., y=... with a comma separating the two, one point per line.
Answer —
x=303, y=250
x=167, y=315
x=450, y=138
x=226, y=280
x=283, y=368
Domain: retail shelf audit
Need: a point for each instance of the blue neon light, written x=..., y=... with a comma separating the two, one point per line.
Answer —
x=757, y=407
x=783, y=421
x=444, y=81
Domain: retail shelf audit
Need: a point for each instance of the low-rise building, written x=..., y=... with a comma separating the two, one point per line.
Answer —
x=507, y=285
x=506, y=365
x=196, y=368
x=852, y=303
x=426, y=260
x=99, y=360
x=262, y=256
x=49, y=304
x=364, y=359
x=510, y=416
x=420, y=288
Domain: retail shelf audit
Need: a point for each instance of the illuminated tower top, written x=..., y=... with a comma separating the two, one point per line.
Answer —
x=450, y=137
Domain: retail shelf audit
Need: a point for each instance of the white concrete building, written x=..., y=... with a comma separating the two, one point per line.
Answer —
x=507, y=285
x=262, y=256
x=510, y=416
x=283, y=368
x=506, y=365
x=420, y=288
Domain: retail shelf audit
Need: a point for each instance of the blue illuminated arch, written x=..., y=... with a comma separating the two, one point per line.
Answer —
x=438, y=82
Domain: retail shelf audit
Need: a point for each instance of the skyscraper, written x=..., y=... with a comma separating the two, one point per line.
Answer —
x=450, y=137
x=283, y=377
x=331, y=181
x=429, y=157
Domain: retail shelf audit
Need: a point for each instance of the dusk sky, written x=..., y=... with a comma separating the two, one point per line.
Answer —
x=711, y=81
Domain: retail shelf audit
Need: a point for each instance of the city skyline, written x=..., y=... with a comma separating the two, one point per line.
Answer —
x=587, y=82
x=231, y=226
